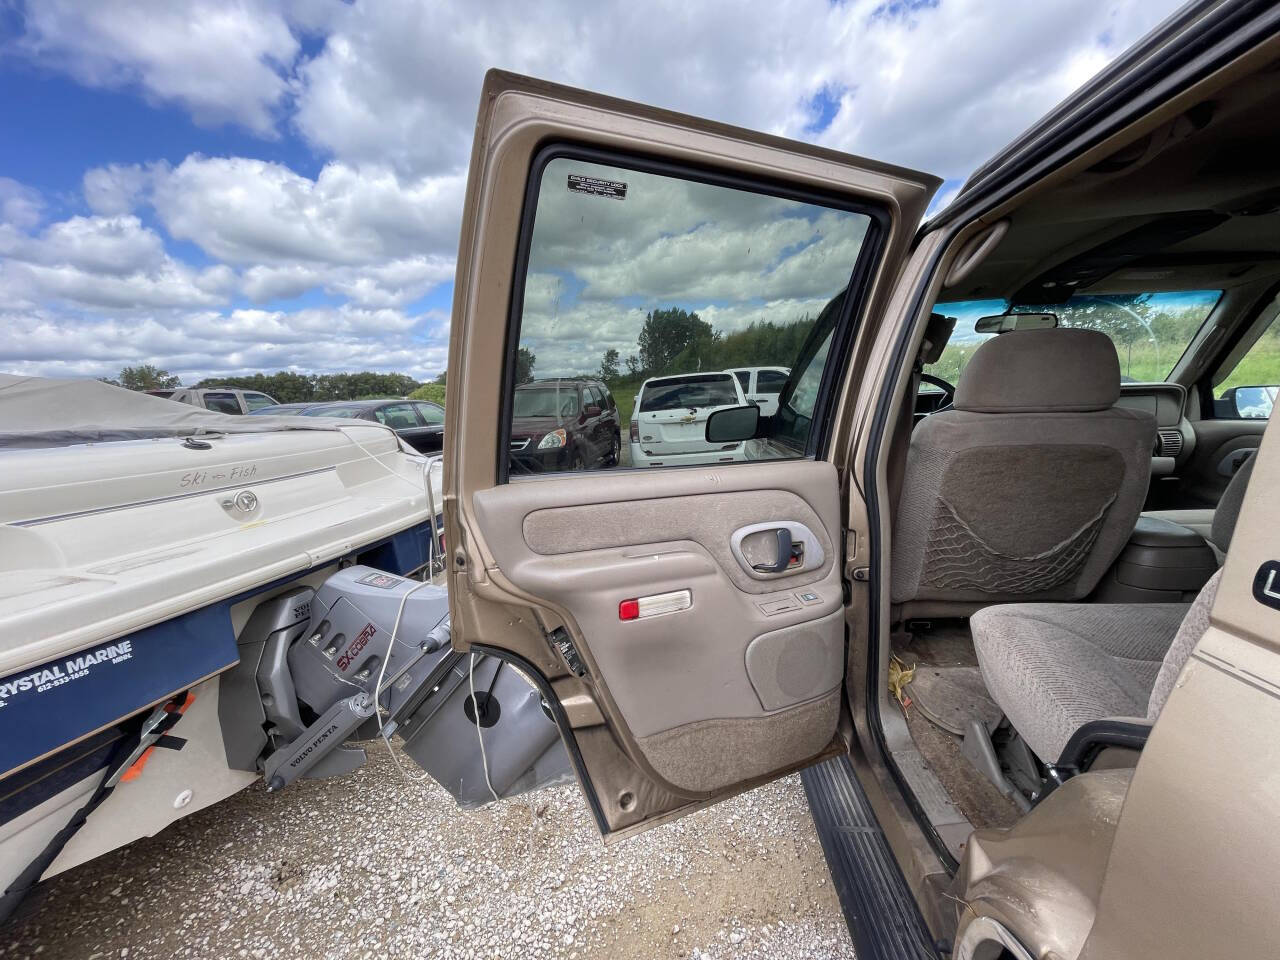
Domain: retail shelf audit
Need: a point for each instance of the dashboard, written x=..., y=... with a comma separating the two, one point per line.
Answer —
x=1167, y=402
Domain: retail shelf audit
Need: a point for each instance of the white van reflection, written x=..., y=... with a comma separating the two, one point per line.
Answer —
x=669, y=421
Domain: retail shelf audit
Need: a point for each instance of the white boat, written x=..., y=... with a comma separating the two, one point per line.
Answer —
x=179, y=591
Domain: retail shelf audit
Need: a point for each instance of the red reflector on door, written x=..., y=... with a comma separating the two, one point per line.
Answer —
x=629, y=610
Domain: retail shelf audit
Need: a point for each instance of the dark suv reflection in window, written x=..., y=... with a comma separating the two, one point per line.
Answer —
x=563, y=424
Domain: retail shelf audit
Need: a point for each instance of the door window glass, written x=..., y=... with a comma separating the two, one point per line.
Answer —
x=222, y=402
x=430, y=413
x=688, y=392
x=1245, y=387
x=256, y=401
x=770, y=381
x=658, y=285
x=744, y=378
x=397, y=416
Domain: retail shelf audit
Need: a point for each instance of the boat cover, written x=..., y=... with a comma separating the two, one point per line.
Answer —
x=40, y=412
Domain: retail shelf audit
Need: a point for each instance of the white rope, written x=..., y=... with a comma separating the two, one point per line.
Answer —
x=475, y=708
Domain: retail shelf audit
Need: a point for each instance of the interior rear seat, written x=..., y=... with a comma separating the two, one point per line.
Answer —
x=1053, y=667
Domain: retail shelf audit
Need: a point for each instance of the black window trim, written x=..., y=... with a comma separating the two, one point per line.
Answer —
x=862, y=271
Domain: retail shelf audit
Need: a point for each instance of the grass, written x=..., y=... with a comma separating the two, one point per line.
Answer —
x=1260, y=367
x=1149, y=362
x=625, y=397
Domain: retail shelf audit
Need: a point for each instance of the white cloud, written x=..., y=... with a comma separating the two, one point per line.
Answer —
x=20, y=205
x=388, y=102
x=116, y=188
x=222, y=61
x=365, y=234
x=207, y=343
x=106, y=262
x=941, y=85
x=252, y=212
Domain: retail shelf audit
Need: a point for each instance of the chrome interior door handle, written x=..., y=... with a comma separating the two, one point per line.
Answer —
x=784, y=553
x=801, y=550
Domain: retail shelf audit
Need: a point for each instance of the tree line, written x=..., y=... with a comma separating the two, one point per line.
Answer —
x=289, y=387
x=674, y=340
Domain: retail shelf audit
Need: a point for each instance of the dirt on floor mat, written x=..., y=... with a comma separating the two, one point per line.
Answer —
x=952, y=696
x=944, y=691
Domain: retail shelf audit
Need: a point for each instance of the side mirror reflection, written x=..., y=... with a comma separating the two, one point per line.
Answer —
x=732, y=424
x=1252, y=402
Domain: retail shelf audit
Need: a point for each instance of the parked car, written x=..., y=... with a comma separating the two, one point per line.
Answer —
x=563, y=424
x=669, y=422
x=420, y=423
x=219, y=399
x=283, y=409
x=761, y=385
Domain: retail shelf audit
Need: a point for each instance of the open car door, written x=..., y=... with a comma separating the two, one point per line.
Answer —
x=684, y=623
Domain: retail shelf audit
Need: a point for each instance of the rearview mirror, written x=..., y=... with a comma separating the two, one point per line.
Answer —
x=591, y=410
x=1005, y=322
x=732, y=424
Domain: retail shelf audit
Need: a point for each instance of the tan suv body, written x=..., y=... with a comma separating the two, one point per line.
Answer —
x=698, y=631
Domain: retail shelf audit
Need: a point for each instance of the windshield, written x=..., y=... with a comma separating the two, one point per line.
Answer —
x=688, y=393
x=551, y=401
x=1150, y=331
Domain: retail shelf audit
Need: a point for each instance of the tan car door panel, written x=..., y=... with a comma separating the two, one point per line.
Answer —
x=744, y=649
x=1201, y=805
x=732, y=674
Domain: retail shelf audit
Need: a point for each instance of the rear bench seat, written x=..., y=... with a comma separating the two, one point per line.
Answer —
x=1053, y=667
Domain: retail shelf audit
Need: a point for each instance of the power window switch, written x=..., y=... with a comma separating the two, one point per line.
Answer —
x=808, y=599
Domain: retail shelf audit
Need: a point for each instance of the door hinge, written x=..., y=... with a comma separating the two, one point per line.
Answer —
x=568, y=652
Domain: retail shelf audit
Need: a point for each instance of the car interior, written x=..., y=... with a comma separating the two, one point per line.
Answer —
x=1065, y=473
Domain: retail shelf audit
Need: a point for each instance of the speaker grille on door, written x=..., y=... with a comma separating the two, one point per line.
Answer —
x=1170, y=443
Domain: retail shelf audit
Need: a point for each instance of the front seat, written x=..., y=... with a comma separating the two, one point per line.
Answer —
x=1216, y=524
x=1029, y=487
x=1053, y=667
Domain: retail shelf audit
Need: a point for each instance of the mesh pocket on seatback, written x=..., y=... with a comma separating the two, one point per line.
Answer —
x=957, y=558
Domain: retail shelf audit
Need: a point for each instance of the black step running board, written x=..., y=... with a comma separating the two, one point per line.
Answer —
x=882, y=915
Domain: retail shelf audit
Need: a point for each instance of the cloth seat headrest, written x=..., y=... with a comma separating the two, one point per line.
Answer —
x=1057, y=370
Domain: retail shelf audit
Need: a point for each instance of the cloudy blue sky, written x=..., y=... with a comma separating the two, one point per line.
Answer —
x=222, y=187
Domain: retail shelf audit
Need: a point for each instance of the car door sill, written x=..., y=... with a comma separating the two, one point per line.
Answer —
x=884, y=921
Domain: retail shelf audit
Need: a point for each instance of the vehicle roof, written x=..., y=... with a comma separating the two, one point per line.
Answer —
x=744, y=369
x=280, y=408
x=696, y=373
x=547, y=381
x=1182, y=207
x=364, y=404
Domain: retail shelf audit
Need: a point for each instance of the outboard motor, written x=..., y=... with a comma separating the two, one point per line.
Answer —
x=322, y=664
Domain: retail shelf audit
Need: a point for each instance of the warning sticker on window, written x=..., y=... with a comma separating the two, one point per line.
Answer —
x=614, y=189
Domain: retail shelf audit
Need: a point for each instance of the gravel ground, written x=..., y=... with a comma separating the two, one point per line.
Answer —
x=374, y=866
